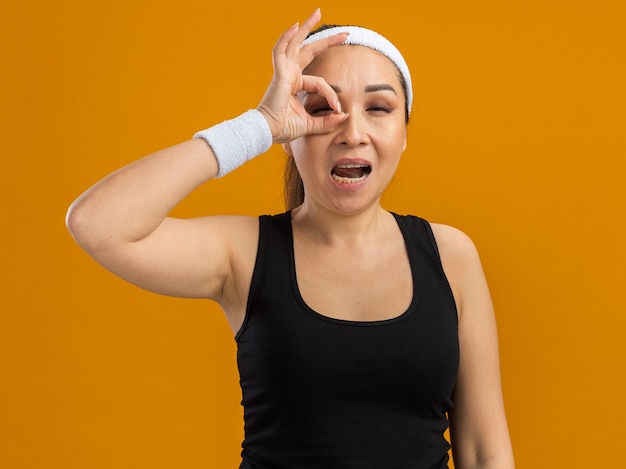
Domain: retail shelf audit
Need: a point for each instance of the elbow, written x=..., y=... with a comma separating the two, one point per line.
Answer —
x=81, y=225
x=75, y=221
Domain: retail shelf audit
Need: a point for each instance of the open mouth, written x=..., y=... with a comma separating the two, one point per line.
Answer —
x=350, y=173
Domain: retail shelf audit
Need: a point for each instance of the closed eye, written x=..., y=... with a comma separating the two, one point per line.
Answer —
x=320, y=110
x=316, y=105
x=379, y=109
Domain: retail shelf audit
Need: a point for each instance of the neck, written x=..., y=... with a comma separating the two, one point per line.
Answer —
x=336, y=228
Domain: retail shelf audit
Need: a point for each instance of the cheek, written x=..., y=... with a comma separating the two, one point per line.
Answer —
x=394, y=138
x=298, y=150
x=306, y=150
x=401, y=136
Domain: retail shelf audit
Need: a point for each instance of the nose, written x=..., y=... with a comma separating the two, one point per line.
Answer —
x=353, y=131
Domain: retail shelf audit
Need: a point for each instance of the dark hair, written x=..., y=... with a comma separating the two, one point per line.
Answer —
x=294, y=187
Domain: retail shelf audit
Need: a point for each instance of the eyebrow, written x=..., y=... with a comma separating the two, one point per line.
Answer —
x=381, y=87
x=370, y=88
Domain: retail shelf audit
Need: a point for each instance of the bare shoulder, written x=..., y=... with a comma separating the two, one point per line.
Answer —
x=195, y=257
x=454, y=245
x=239, y=235
x=462, y=266
x=228, y=234
x=242, y=235
x=241, y=238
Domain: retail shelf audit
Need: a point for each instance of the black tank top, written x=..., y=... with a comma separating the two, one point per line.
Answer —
x=324, y=393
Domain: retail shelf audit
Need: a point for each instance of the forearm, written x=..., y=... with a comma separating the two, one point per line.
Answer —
x=129, y=204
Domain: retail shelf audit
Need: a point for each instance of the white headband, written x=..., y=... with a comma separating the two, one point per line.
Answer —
x=365, y=37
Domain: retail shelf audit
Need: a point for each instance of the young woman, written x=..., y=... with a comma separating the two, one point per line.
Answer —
x=361, y=334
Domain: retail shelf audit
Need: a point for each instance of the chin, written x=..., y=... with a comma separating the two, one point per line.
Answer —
x=354, y=205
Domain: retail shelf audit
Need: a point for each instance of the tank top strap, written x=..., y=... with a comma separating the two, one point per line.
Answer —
x=272, y=259
x=418, y=235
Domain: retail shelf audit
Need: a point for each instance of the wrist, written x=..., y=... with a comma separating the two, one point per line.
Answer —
x=238, y=140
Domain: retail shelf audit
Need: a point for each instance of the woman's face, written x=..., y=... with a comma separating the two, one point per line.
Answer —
x=347, y=169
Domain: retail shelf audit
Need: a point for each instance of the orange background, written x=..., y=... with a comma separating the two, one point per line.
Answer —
x=517, y=138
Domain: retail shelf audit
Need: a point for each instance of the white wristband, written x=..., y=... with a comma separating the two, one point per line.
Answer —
x=238, y=140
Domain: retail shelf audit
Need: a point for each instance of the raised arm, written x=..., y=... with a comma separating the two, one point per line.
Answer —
x=479, y=432
x=122, y=221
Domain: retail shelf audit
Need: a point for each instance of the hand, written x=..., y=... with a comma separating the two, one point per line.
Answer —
x=284, y=112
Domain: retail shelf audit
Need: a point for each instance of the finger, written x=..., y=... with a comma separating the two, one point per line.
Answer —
x=303, y=31
x=314, y=84
x=310, y=51
x=283, y=41
x=325, y=124
x=309, y=24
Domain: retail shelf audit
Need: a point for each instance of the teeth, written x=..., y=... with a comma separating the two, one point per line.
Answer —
x=344, y=176
x=348, y=180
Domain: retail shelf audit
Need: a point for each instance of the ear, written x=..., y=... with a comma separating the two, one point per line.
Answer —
x=287, y=148
x=404, y=144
